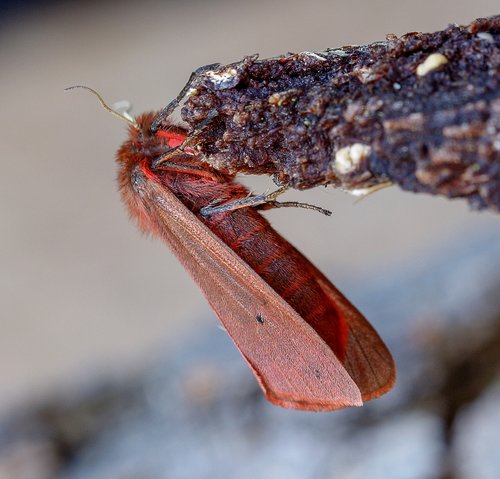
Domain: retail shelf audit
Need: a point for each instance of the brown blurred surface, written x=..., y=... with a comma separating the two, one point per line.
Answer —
x=80, y=288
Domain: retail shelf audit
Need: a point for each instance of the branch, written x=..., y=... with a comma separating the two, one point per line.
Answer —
x=421, y=111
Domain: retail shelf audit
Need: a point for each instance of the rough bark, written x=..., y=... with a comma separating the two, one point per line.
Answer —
x=421, y=111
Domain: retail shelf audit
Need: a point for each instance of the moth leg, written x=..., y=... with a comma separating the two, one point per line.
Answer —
x=362, y=193
x=296, y=204
x=267, y=201
x=201, y=126
x=167, y=111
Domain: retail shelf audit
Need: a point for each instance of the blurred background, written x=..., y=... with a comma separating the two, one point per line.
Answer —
x=111, y=362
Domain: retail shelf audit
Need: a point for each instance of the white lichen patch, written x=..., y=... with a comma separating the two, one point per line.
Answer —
x=338, y=52
x=486, y=36
x=365, y=74
x=313, y=55
x=223, y=77
x=348, y=158
x=432, y=62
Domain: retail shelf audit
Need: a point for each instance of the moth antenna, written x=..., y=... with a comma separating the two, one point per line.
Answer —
x=124, y=116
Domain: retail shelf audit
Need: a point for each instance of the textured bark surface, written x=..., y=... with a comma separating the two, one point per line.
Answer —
x=421, y=111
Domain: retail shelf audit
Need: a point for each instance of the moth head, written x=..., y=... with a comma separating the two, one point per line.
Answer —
x=137, y=154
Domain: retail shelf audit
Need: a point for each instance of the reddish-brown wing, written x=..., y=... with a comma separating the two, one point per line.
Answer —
x=293, y=365
x=368, y=361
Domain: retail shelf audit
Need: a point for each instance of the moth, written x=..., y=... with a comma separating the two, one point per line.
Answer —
x=307, y=345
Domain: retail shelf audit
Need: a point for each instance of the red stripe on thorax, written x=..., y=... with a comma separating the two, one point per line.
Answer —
x=173, y=138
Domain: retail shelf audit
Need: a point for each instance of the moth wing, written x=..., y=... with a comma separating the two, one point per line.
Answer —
x=293, y=365
x=368, y=361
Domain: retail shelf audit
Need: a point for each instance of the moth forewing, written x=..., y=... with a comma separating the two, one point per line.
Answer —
x=293, y=365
